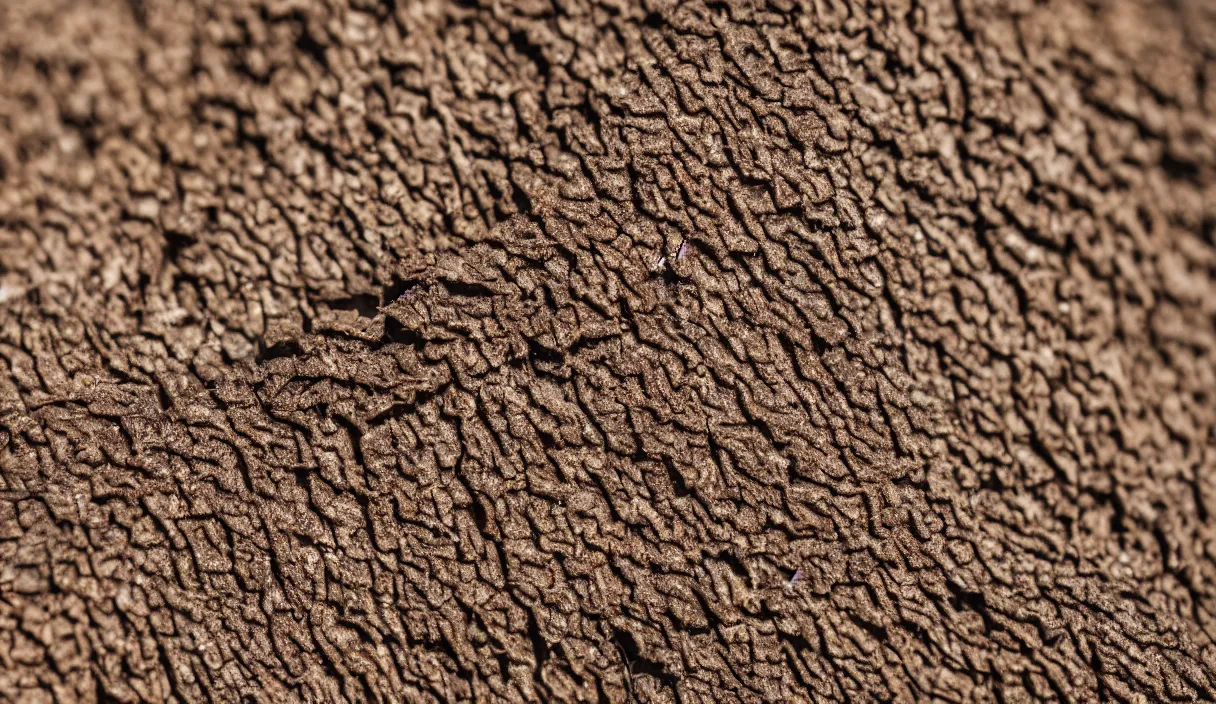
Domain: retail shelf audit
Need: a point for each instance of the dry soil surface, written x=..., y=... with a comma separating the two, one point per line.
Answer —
x=607, y=351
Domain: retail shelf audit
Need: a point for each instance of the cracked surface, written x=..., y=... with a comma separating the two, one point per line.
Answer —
x=589, y=350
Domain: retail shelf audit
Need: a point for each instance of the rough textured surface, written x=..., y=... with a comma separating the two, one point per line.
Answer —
x=816, y=350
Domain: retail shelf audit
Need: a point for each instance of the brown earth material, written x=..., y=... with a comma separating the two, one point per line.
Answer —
x=596, y=350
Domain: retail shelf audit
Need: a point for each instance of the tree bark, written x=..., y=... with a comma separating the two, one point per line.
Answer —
x=605, y=350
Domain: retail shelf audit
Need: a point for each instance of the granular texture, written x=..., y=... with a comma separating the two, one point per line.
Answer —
x=607, y=350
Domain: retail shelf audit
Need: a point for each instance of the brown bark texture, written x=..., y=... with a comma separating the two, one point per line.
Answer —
x=607, y=351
